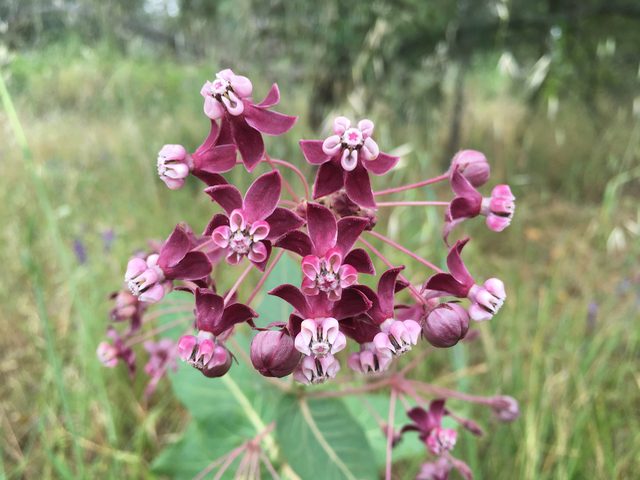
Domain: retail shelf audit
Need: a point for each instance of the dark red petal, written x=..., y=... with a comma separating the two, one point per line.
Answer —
x=330, y=178
x=420, y=417
x=381, y=165
x=444, y=282
x=319, y=305
x=268, y=122
x=234, y=314
x=211, y=138
x=282, y=221
x=463, y=207
x=193, y=266
x=435, y=413
x=387, y=290
x=312, y=151
x=225, y=137
x=296, y=242
x=322, y=228
x=294, y=297
x=272, y=97
x=456, y=265
x=461, y=186
x=375, y=313
x=359, y=259
x=218, y=220
x=249, y=142
x=174, y=249
x=358, y=187
x=210, y=179
x=209, y=308
x=448, y=227
x=349, y=229
x=227, y=196
x=220, y=158
x=262, y=265
x=359, y=330
x=294, y=324
x=353, y=302
x=263, y=196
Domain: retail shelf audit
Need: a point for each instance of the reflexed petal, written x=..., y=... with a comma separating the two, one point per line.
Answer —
x=349, y=229
x=386, y=290
x=340, y=125
x=249, y=142
x=267, y=121
x=360, y=260
x=462, y=188
x=297, y=242
x=220, y=158
x=282, y=221
x=174, y=249
x=193, y=266
x=218, y=220
x=209, y=308
x=263, y=196
x=358, y=187
x=241, y=85
x=322, y=228
x=234, y=314
x=211, y=138
x=352, y=302
x=381, y=165
x=259, y=230
x=330, y=178
x=271, y=99
x=227, y=196
x=294, y=297
x=349, y=160
x=313, y=152
x=332, y=145
x=456, y=265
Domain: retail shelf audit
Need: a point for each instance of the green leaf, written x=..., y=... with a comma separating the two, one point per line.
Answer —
x=321, y=440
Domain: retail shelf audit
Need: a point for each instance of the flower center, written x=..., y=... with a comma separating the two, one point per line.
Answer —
x=220, y=87
x=327, y=280
x=319, y=376
x=352, y=139
x=241, y=241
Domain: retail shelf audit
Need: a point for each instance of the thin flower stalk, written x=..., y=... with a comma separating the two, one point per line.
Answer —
x=237, y=284
x=415, y=185
x=405, y=251
x=284, y=182
x=163, y=328
x=264, y=277
x=413, y=204
x=392, y=410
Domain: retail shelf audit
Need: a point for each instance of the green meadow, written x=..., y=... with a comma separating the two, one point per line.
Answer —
x=78, y=162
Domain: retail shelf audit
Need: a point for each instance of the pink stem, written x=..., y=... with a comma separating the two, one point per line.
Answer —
x=413, y=289
x=416, y=360
x=445, y=392
x=237, y=284
x=412, y=204
x=202, y=245
x=219, y=461
x=298, y=172
x=267, y=464
x=408, y=252
x=289, y=203
x=244, y=463
x=415, y=185
x=167, y=311
x=284, y=182
x=264, y=277
x=392, y=411
x=351, y=391
x=156, y=330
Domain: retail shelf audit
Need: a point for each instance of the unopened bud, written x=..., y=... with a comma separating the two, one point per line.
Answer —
x=473, y=166
x=506, y=408
x=446, y=325
x=220, y=365
x=273, y=353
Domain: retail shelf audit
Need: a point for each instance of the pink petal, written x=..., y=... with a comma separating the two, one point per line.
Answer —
x=322, y=228
x=282, y=221
x=227, y=196
x=464, y=207
x=353, y=302
x=462, y=188
x=294, y=297
x=209, y=308
x=449, y=226
x=312, y=151
x=381, y=165
x=297, y=242
x=332, y=145
x=263, y=196
x=366, y=127
x=271, y=99
x=502, y=191
x=221, y=158
x=358, y=187
x=359, y=259
x=387, y=290
x=444, y=282
x=259, y=230
x=193, y=266
x=211, y=138
x=311, y=267
x=221, y=236
x=349, y=230
x=264, y=252
x=249, y=142
x=174, y=249
x=340, y=125
x=330, y=178
x=309, y=287
x=268, y=122
x=497, y=223
x=241, y=85
x=369, y=150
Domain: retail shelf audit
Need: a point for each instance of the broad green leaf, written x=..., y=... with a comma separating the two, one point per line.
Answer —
x=321, y=440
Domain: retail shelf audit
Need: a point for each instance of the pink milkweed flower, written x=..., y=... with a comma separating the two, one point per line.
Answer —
x=367, y=360
x=499, y=208
x=313, y=371
x=315, y=322
x=345, y=160
x=251, y=224
x=438, y=470
x=485, y=301
x=241, y=122
x=171, y=166
x=473, y=166
x=127, y=307
x=468, y=203
x=506, y=408
x=273, y=353
x=441, y=440
x=446, y=325
x=110, y=354
x=428, y=424
x=162, y=357
x=328, y=263
x=176, y=261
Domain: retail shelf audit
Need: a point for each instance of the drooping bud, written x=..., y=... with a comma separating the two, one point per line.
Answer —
x=396, y=337
x=273, y=353
x=473, y=166
x=313, y=371
x=172, y=166
x=506, y=408
x=446, y=325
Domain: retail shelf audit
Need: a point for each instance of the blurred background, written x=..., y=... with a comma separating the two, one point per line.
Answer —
x=548, y=90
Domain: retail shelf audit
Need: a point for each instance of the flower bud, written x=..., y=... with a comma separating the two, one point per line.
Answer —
x=446, y=325
x=219, y=365
x=273, y=353
x=473, y=166
x=506, y=408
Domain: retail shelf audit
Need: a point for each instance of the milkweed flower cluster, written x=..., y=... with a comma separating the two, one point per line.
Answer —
x=326, y=230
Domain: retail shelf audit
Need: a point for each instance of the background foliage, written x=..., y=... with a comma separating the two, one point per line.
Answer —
x=548, y=90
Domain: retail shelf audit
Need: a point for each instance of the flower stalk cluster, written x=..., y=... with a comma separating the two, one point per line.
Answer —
x=332, y=312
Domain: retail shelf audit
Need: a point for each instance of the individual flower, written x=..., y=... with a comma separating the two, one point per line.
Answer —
x=346, y=159
x=176, y=261
x=468, y=203
x=313, y=370
x=329, y=265
x=506, y=408
x=250, y=224
x=241, y=122
x=395, y=337
x=473, y=166
x=207, y=351
x=109, y=354
x=446, y=325
x=127, y=307
x=206, y=163
x=273, y=353
x=315, y=322
x=485, y=300
x=428, y=424
x=162, y=356
x=367, y=360
x=438, y=470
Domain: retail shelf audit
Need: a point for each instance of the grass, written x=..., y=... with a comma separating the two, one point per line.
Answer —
x=93, y=121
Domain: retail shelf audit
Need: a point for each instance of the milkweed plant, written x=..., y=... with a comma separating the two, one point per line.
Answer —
x=337, y=324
